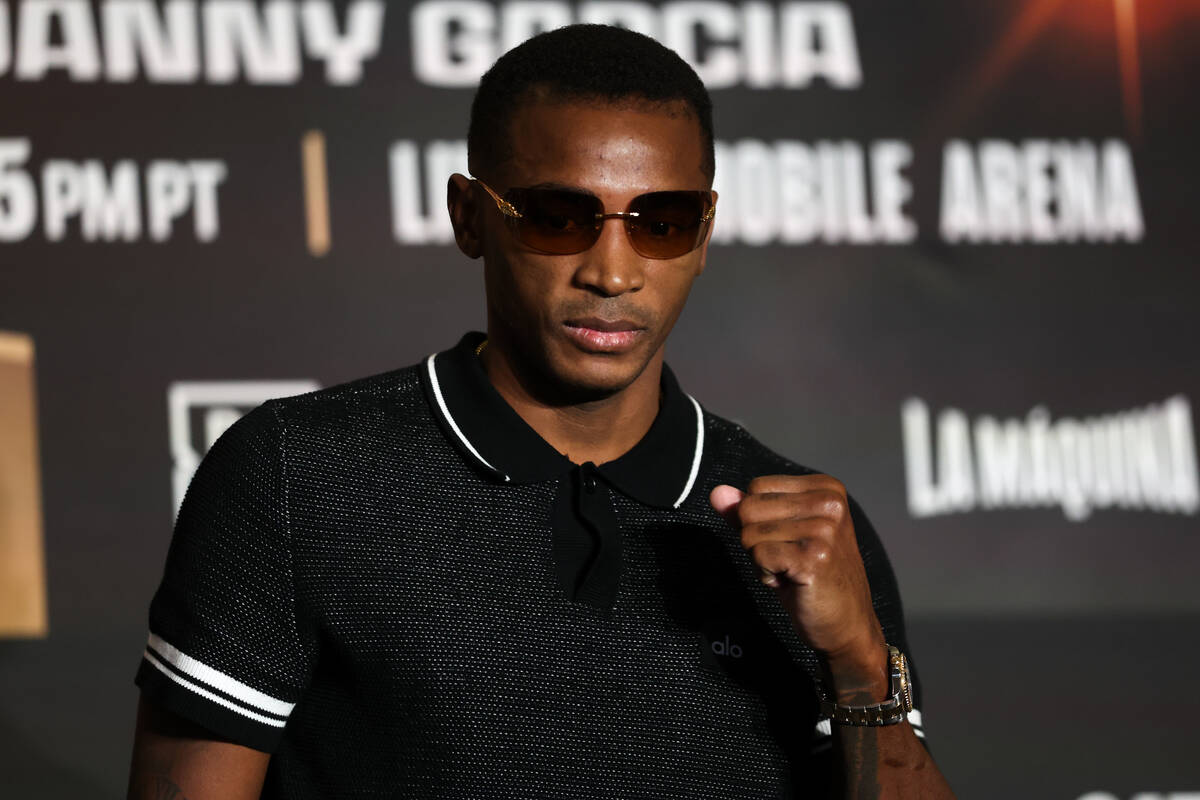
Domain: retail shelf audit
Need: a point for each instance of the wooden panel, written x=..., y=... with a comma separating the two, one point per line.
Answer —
x=22, y=559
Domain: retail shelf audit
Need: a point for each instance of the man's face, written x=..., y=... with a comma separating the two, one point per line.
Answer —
x=585, y=326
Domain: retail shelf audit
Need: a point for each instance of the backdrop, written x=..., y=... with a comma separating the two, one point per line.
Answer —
x=954, y=265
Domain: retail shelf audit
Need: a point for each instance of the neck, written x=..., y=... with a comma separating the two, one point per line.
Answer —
x=597, y=431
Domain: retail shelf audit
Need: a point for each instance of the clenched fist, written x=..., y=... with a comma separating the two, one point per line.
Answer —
x=798, y=530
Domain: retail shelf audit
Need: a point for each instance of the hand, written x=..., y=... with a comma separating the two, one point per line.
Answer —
x=798, y=530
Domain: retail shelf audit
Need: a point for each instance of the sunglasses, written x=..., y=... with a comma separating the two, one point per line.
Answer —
x=563, y=222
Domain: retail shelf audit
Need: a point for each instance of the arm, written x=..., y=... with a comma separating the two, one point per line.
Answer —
x=880, y=762
x=799, y=531
x=174, y=759
x=224, y=660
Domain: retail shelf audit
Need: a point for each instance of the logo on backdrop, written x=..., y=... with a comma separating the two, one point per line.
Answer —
x=198, y=412
x=785, y=192
x=1039, y=190
x=123, y=201
x=1139, y=459
x=855, y=193
x=184, y=41
x=758, y=45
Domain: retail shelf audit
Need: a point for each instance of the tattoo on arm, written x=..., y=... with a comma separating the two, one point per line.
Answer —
x=861, y=752
x=860, y=757
x=167, y=789
x=154, y=777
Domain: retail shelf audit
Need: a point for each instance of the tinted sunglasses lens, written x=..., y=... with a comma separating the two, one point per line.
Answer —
x=668, y=224
x=554, y=221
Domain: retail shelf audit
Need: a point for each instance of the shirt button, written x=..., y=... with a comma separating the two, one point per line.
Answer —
x=587, y=471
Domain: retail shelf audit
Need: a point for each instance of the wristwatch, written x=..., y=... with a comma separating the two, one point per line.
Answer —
x=890, y=712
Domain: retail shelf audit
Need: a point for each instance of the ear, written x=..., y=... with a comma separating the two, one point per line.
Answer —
x=707, y=239
x=460, y=202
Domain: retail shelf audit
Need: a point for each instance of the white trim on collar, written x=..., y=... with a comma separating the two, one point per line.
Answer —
x=691, y=481
x=441, y=401
x=697, y=453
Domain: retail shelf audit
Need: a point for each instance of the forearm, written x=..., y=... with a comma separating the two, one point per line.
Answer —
x=885, y=761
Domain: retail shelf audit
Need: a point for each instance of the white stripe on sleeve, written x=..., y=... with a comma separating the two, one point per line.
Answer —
x=216, y=679
x=200, y=690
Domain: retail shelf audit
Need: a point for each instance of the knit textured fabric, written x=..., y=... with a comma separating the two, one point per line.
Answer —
x=347, y=589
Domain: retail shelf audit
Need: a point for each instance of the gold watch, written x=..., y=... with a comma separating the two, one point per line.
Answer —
x=891, y=711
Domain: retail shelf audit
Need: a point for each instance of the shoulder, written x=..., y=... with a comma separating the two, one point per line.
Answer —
x=391, y=394
x=732, y=450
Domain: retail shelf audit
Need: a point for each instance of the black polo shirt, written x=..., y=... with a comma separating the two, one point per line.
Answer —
x=400, y=589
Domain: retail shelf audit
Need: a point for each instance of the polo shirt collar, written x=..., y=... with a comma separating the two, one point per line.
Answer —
x=660, y=470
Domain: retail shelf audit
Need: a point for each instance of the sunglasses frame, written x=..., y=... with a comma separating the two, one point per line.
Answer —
x=510, y=211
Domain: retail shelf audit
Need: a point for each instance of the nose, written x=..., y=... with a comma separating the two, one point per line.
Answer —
x=611, y=266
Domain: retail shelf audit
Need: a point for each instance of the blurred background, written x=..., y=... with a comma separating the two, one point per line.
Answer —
x=954, y=265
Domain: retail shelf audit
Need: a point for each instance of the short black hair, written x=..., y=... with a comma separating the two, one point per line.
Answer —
x=590, y=63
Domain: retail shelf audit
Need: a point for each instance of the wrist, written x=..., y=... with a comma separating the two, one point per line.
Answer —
x=856, y=701
x=859, y=677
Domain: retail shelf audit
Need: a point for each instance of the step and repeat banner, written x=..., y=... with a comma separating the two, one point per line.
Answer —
x=954, y=264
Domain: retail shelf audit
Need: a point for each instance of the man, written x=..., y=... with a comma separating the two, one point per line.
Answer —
x=531, y=565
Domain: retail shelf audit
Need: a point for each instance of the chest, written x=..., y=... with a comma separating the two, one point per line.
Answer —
x=468, y=589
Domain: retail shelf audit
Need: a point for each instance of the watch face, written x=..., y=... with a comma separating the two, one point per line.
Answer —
x=900, y=664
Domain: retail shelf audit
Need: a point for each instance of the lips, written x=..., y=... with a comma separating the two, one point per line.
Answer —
x=597, y=335
x=598, y=324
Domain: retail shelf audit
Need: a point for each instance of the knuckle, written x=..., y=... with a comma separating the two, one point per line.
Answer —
x=820, y=553
x=834, y=507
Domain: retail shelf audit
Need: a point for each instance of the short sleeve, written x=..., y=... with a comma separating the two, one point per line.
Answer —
x=224, y=647
x=885, y=596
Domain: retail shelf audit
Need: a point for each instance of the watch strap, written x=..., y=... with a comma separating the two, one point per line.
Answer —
x=891, y=711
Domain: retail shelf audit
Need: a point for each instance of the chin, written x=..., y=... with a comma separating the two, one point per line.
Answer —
x=595, y=377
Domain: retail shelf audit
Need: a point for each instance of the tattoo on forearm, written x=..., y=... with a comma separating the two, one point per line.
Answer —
x=862, y=756
x=167, y=789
